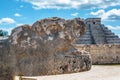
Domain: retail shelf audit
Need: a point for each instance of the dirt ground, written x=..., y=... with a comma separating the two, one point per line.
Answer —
x=98, y=72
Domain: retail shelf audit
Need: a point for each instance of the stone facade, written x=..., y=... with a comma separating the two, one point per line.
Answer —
x=97, y=33
x=102, y=53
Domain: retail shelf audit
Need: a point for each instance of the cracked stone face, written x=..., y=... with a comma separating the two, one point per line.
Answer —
x=45, y=48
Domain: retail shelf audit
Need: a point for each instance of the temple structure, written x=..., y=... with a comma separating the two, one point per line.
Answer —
x=97, y=33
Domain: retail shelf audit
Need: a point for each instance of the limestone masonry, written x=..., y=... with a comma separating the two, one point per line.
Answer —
x=102, y=53
x=97, y=33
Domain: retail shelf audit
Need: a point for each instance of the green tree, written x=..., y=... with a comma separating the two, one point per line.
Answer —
x=1, y=33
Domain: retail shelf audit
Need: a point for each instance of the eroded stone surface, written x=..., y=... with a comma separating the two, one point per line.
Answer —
x=45, y=48
x=103, y=53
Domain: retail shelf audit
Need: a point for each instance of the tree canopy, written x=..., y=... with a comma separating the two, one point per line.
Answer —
x=3, y=33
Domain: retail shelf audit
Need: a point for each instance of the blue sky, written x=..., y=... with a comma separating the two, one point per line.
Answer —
x=17, y=12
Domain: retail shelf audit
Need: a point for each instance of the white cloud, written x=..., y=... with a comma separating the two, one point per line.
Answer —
x=113, y=28
x=99, y=12
x=113, y=14
x=19, y=24
x=17, y=15
x=75, y=4
x=7, y=20
x=75, y=14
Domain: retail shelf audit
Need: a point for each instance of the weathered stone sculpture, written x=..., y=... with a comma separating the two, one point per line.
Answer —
x=45, y=48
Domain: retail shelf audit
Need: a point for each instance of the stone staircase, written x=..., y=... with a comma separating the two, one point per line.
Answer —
x=97, y=33
x=86, y=38
x=110, y=36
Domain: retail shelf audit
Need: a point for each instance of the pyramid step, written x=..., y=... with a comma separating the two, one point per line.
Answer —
x=113, y=41
x=111, y=36
x=109, y=33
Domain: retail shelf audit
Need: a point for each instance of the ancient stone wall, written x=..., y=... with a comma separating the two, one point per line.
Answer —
x=103, y=53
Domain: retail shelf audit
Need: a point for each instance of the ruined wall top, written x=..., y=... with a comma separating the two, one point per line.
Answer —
x=93, y=21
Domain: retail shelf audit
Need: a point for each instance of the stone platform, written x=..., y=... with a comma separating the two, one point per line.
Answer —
x=102, y=53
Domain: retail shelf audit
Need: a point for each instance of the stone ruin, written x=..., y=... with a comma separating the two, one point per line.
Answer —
x=97, y=33
x=45, y=48
x=100, y=42
x=102, y=53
